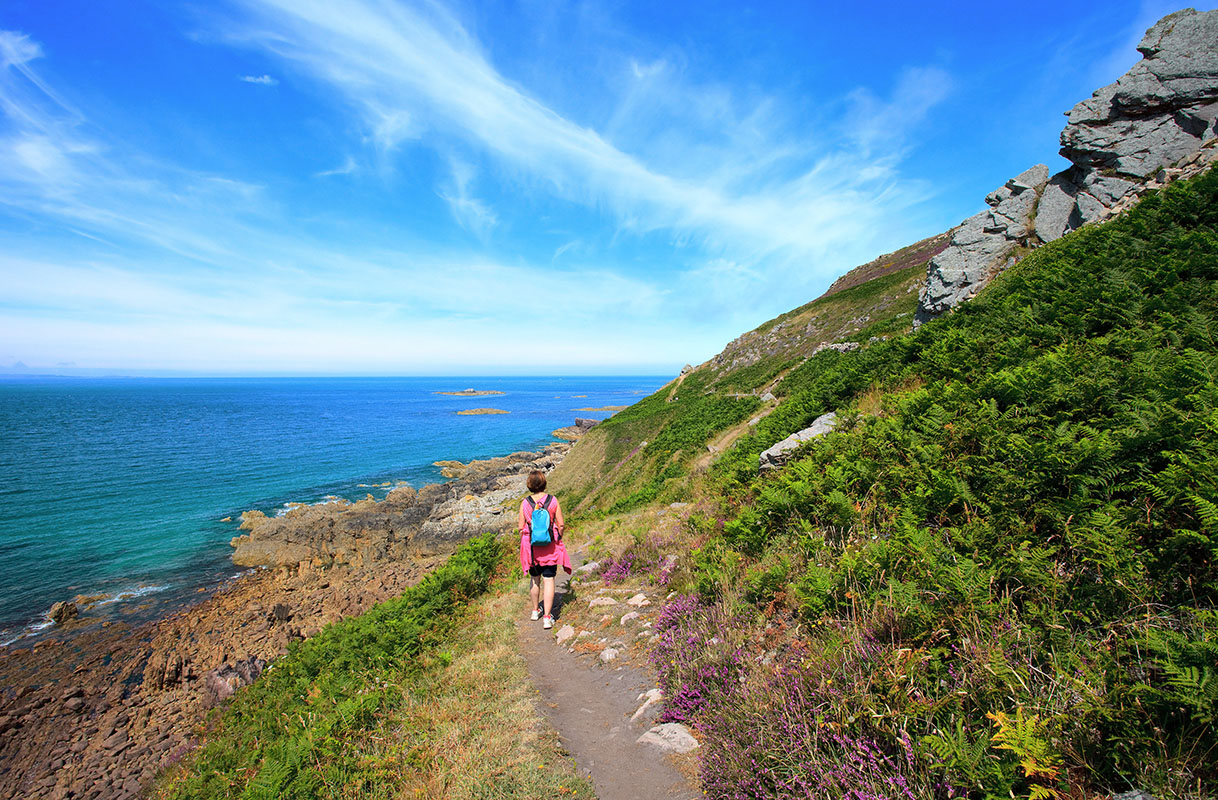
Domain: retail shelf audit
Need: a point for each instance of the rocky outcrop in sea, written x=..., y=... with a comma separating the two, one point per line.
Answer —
x=1155, y=124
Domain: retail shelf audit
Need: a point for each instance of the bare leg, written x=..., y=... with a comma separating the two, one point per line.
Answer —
x=535, y=591
x=549, y=595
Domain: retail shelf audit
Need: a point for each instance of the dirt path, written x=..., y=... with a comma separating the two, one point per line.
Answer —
x=590, y=707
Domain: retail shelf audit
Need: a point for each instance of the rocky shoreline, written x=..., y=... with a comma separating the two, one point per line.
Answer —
x=99, y=714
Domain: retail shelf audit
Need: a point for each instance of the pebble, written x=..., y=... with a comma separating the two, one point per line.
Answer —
x=649, y=698
x=608, y=654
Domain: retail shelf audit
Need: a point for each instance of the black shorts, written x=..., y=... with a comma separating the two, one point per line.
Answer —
x=547, y=571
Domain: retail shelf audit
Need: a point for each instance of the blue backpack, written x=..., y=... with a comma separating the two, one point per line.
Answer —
x=540, y=524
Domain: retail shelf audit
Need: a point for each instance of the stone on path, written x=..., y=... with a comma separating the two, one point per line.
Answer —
x=609, y=654
x=601, y=601
x=652, y=697
x=671, y=737
x=589, y=567
x=564, y=633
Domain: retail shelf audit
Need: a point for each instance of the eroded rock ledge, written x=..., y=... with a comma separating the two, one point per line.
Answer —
x=406, y=524
x=1155, y=124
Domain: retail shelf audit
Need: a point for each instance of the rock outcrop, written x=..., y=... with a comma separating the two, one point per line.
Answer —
x=984, y=245
x=1155, y=124
x=406, y=524
x=781, y=453
x=63, y=611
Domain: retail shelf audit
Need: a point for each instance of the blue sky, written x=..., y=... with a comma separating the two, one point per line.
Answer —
x=387, y=188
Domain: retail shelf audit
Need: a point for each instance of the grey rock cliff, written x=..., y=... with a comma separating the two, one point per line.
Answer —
x=1151, y=126
x=983, y=245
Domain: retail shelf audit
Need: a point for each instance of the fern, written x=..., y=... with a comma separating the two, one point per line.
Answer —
x=272, y=777
x=1198, y=688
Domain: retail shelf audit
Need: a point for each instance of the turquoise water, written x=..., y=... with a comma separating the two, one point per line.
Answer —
x=117, y=486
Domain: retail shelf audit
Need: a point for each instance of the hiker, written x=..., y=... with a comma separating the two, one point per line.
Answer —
x=542, y=551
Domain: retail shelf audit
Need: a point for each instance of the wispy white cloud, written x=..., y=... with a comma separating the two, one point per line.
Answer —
x=396, y=61
x=885, y=122
x=177, y=266
x=348, y=167
x=16, y=49
x=198, y=271
x=262, y=80
x=470, y=212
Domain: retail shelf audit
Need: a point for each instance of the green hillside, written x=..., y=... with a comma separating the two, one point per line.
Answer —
x=997, y=577
x=648, y=451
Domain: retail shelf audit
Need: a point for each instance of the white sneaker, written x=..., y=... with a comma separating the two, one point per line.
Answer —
x=536, y=615
x=547, y=622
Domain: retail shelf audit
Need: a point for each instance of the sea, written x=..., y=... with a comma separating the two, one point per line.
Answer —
x=128, y=490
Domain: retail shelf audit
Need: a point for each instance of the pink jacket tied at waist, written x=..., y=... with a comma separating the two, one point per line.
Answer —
x=546, y=554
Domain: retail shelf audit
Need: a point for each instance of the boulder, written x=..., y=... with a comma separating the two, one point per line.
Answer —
x=671, y=737
x=780, y=453
x=651, y=699
x=63, y=611
x=1159, y=111
x=221, y=683
x=586, y=424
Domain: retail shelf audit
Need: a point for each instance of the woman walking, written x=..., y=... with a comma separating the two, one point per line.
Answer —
x=543, y=552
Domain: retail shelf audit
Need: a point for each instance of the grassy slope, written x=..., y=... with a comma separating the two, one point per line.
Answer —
x=643, y=454
x=422, y=696
x=998, y=577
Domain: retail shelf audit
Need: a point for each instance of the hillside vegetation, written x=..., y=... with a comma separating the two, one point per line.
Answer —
x=647, y=452
x=997, y=577
x=422, y=696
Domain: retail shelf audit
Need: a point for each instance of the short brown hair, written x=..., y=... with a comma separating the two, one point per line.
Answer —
x=536, y=481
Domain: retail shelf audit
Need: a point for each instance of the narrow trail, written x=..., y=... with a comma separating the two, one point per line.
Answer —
x=590, y=707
